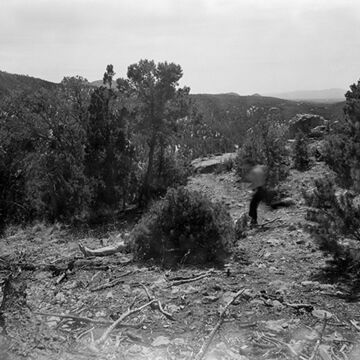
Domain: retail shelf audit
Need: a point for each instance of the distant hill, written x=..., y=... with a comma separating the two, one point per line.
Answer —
x=97, y=83
x=10, y=82
x=325, y=96
x=228, y=113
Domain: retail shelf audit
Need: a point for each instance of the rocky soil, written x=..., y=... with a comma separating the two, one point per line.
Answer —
x=288, y=308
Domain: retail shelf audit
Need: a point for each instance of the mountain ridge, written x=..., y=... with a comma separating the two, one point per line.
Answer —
x=323, y=95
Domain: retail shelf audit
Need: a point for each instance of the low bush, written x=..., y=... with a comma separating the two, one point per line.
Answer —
x=184, y=227
x=301, y=156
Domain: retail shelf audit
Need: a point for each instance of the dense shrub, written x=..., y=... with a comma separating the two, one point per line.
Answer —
x=336, y=215
x=301, y=156
x=337, y=155
x=170, y=170
x=42, y=157
x=343, y=143
x=265, y=144
x=80, y=153
x=184, y=227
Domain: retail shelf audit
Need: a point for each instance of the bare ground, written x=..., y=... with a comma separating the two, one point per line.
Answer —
x=288, y=309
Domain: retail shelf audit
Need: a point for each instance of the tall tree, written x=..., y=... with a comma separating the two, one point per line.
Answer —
x=108, y=76
x=109, y=151
x=159, y=103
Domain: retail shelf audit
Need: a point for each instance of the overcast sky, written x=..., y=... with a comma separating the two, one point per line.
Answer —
x=245, y=46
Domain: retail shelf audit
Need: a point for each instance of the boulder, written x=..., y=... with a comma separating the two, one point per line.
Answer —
x=213, y=164
x=305, y=123
x=318, y=131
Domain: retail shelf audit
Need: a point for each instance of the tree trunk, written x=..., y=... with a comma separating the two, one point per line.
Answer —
x=144, y=197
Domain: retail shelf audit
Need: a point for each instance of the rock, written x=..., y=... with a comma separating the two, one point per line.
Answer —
x=304, y=123
x=60, y=298
x=213, y=164
x=172, y=308
x=248, y=294
x=161, y=341
x=325, y=352
x=277, y=304
x=292, y=227
x=257, y=302
x=276, y=325
x=288, y=201
x=321, y=314
x=318, y=131
x=223, y=351
x=309, y=283
x=217, y=287
x=274, y=242
x=52, y=321
x=210, y=299
x=178, y=341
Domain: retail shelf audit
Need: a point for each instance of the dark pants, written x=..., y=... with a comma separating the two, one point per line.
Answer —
x=258, y=196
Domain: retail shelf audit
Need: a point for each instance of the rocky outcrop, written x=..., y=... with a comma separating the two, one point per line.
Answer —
x=305, y=123
x=213, y=164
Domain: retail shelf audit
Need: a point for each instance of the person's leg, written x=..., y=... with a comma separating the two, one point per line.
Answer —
x=254, y=203
x=259, y=195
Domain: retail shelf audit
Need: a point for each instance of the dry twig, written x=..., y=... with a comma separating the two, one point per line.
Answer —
x=129, y=312
x=312, y=357
x=186, y=281
x=355, y=325
x=298, y=306
x=88, y=320
x=157, y=305
x=207, y=343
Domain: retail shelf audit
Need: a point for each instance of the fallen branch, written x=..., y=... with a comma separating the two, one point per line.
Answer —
x=318, y=342
x=83, y=333
x=186, y=281
x=355, y=325
x=307, y=307
x=177, y=278
x=157, y=305
x=88, y=320
x=104, y=251
x=207, y=343
x=129, y=312
x=113, y=282
x=61, y=278
x=59, y=267
x=108, y=285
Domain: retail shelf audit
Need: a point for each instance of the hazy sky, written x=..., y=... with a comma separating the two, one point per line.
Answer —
x=244, y=46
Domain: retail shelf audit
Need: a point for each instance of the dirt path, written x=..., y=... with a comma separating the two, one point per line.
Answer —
x=276, y=266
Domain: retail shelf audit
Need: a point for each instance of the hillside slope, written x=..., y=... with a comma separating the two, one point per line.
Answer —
x=227, y=113
x=278, y=267
x=10, y=82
